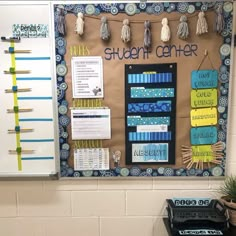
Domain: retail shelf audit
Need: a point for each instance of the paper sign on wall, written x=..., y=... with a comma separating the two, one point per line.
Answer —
x=203, y=135
x=204, y=79
x=203, y=117
x=202, y=153
x=203, y=98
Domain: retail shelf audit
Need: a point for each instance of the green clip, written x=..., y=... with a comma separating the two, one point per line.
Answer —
x=12, y=70
x=17, y=128
x=16, y=109
x=18, y=150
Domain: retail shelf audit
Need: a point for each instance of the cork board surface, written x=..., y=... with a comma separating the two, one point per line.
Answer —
x=188, y=54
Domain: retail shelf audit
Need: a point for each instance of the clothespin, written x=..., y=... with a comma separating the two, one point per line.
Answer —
x=12, y=70
x=15, y=89
x=10, y=39
x=16, y=109
x=12, y=50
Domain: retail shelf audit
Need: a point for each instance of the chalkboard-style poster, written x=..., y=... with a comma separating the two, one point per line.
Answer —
x=150, y=113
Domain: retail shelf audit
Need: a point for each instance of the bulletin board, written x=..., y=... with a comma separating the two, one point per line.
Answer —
x=195, y=89
x=28, y=117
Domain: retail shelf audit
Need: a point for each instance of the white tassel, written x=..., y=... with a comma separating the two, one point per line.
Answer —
x=165, y=30
x=202, y=26
x=80, y=24
x=125, y=31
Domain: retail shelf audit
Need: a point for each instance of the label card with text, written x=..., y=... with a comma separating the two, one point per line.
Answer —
x=203, y=117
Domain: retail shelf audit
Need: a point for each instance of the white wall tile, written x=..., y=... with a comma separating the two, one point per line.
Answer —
x=148, y=203
x=72, y=226
x=138, y=226
x=125, y=184
x=183, y=183
x=8, y=204
x=159, y=228
x=71, y=185
x=21, y=226
x=20, y=186
x=44, y=203
x=92, y=203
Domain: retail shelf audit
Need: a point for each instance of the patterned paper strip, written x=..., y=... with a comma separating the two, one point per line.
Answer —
x=141, y=92
x=150, y=78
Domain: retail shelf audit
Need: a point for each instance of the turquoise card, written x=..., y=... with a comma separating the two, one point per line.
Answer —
x=203, y=135
x=204, y=79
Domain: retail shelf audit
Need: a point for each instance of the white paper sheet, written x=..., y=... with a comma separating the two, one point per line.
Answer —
x=91, y=159
x=87, y=77
x=90, y=124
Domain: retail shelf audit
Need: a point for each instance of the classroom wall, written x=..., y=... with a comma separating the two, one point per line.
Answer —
x=102, y=207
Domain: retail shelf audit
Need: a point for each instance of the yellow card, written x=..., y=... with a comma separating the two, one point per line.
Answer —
x=203, y=98
x=202, y=153
x=203, y=117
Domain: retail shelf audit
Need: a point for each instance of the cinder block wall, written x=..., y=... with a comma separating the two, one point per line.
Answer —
x=102, y=207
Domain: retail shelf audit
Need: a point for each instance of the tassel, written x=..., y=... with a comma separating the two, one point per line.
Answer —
x=125, y=31
x=147, y=34
x=202, y=26
x=80, y=24
x=219, y=20
x=104, y=30
x=165, y=30
x=182, y=31
x=61, y=21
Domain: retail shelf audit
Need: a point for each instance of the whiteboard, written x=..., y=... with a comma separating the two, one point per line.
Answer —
x=28, y=120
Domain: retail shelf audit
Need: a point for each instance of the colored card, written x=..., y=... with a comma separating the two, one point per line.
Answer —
x=150, y=152
x=203, y=135
x=204, y=79
x=202, y=153
x=204, y=117
x=203, y=98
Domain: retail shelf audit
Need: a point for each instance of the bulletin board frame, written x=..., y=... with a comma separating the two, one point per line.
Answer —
x=131, y=9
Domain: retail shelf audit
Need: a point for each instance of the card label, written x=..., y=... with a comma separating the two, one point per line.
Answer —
x=150, y=152
x=202, y=153
x=204, y=79
x=203, y=135
x=203, y=117
x=204, y=98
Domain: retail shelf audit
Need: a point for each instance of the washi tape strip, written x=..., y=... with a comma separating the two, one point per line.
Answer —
x=149, y=136
x=150, y=78
x=138, y=120
x=141, y=92
x=160, y=106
